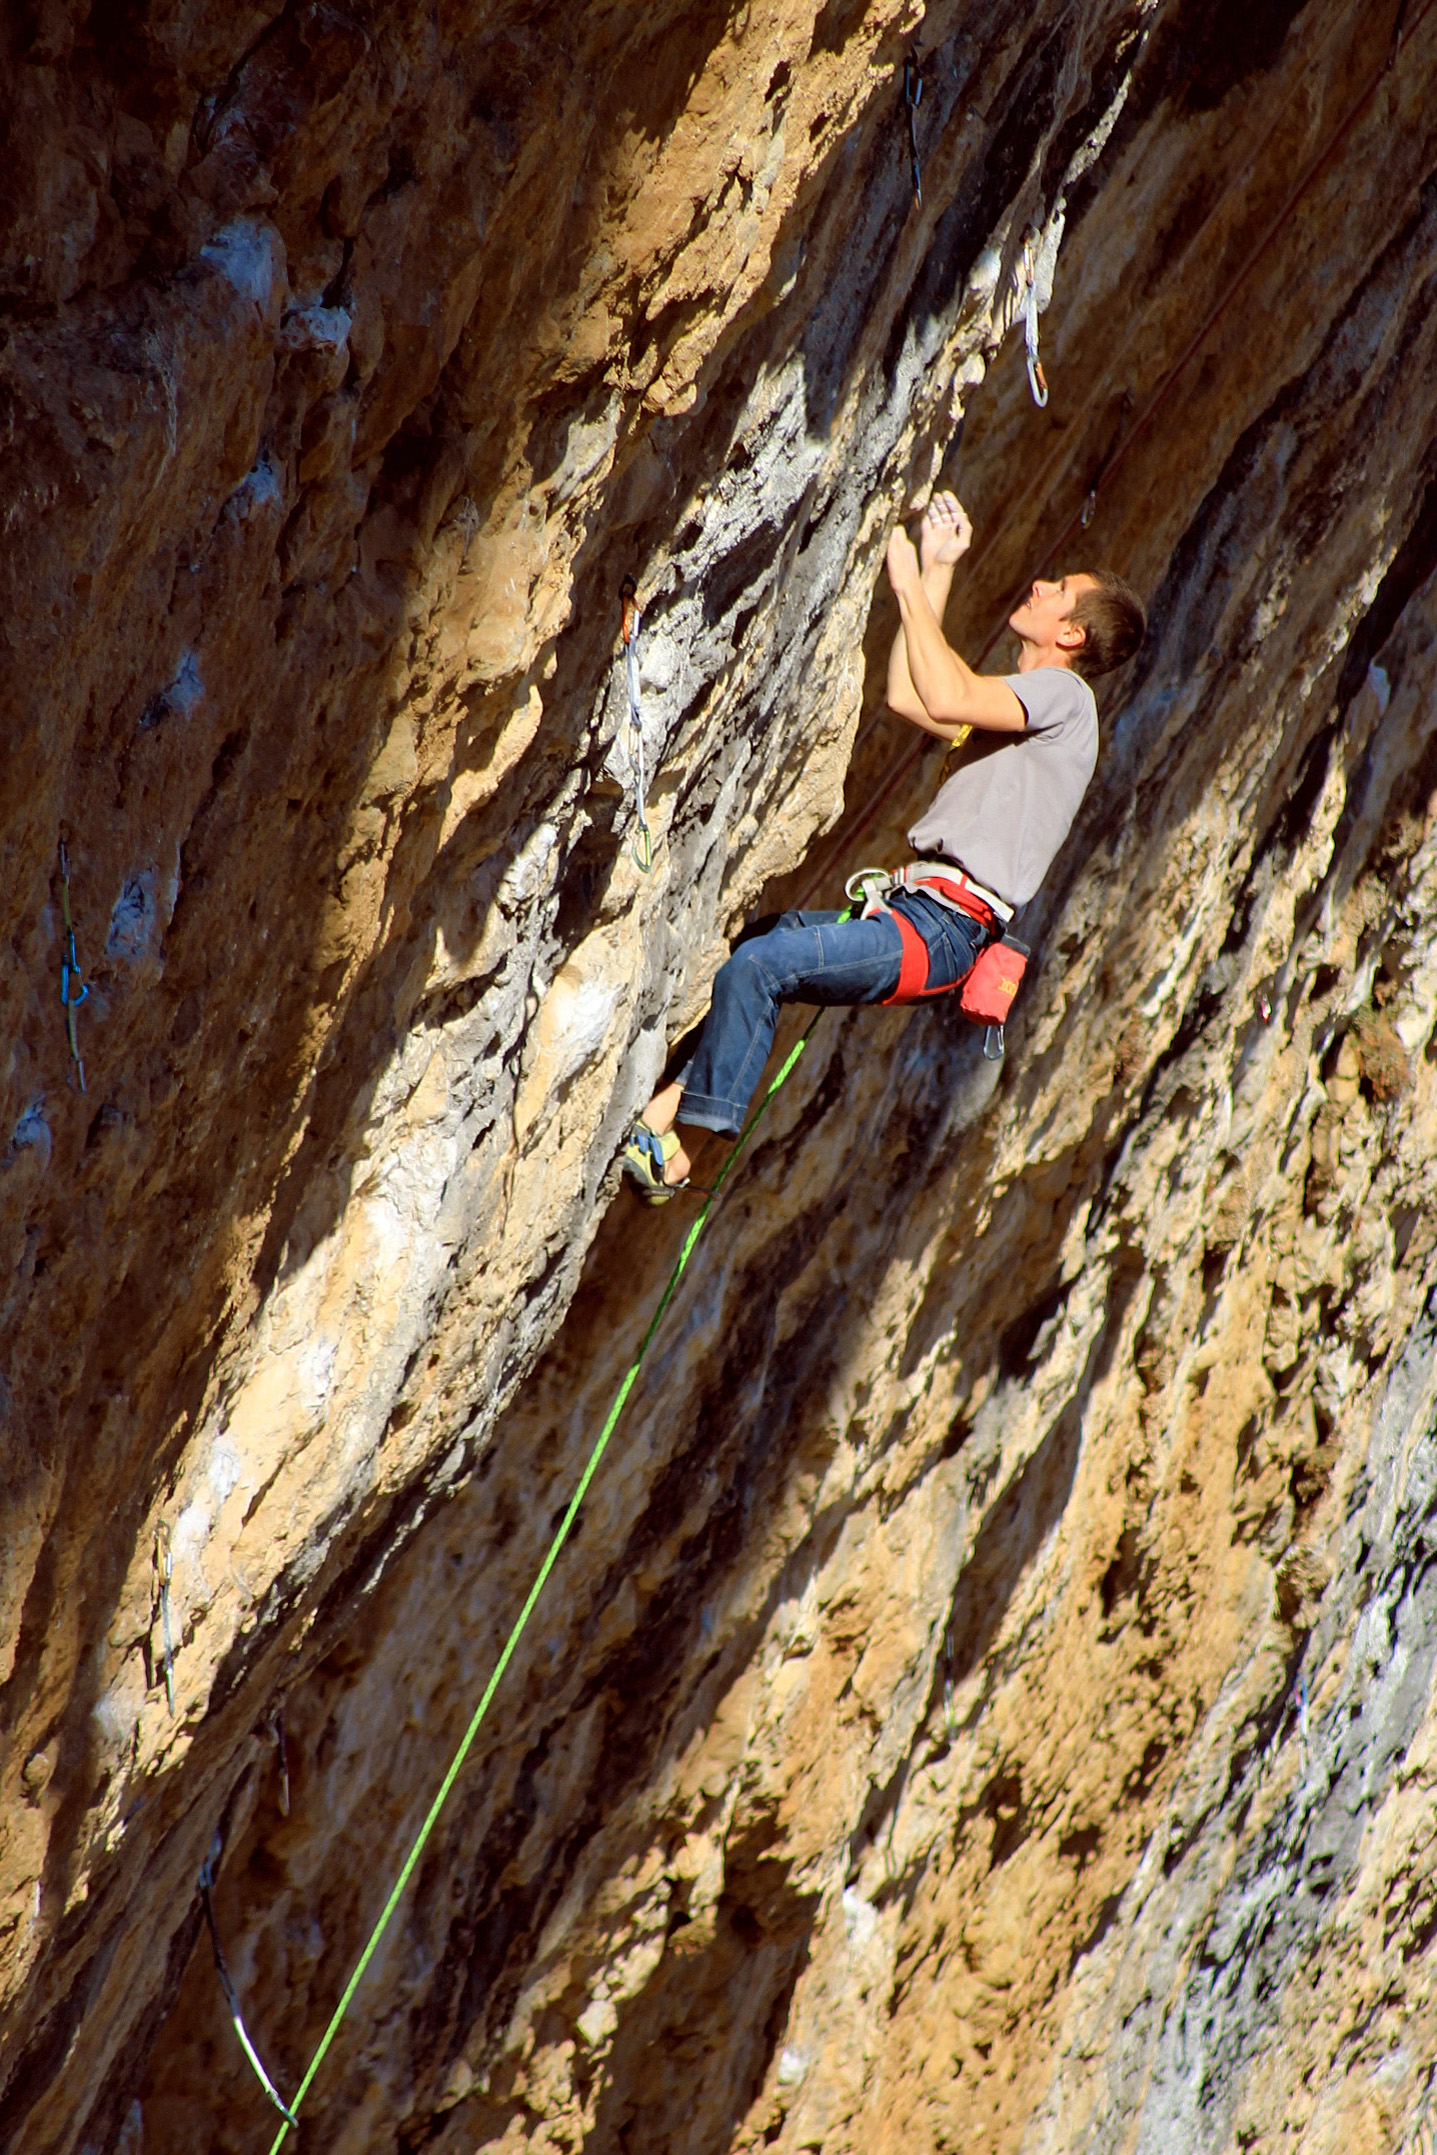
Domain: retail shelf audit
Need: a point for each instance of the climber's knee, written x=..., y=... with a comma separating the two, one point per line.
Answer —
x=738, y=971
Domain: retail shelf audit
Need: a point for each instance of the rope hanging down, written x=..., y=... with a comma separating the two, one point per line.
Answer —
x=431, y=1816
x=633, y=621
x=70, y=975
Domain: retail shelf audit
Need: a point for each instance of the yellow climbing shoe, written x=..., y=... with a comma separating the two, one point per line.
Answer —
x=645, y=1157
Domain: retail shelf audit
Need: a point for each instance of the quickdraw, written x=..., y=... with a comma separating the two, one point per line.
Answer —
x=913, y=98
x=70, y=975
x=643, y=845
x=276, y=1731
x=1037, y=380
x=165, y=1566
x=207, y=1882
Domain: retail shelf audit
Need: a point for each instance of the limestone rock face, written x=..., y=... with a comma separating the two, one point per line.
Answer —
x=987, y=1699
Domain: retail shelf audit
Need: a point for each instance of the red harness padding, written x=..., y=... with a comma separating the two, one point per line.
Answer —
x=913, y=965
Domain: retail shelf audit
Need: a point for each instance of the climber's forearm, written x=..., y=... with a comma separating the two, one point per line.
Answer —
x=903, y=697
x=951, y=695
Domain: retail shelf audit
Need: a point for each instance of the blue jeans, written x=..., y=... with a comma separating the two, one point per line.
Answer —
x=808, y=958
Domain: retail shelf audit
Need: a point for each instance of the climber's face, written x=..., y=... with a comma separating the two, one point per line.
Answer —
x=1044, y=620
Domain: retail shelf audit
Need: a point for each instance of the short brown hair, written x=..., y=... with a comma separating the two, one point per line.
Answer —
x=1113, y=624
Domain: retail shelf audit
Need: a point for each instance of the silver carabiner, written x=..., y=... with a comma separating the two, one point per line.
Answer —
x=869, y=887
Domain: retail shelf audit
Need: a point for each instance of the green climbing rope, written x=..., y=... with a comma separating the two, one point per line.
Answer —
x=456, y=1763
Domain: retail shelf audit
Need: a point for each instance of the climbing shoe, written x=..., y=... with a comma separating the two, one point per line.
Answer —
x=644, y=1159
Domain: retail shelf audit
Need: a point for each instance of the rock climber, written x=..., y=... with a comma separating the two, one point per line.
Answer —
x=981, y=850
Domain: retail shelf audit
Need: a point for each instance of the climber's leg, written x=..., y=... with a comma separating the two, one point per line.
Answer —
x=662, y=1110
x=807, y=958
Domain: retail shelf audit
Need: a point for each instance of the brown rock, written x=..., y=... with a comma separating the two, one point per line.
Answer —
x=903, y=1753
x=1385, y=1064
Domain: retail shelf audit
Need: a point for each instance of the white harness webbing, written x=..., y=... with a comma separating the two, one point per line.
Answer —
x=870, y=887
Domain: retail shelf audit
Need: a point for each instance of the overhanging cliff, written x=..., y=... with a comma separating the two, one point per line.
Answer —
x=988, y=1700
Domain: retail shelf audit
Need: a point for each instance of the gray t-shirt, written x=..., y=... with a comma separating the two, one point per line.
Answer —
x=1011, y=803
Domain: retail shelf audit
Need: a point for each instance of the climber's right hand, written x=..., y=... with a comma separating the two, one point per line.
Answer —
x=946, y=532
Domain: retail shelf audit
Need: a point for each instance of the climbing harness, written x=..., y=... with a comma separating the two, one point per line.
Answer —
x=633, y=621
x=70, y=975
x=456, y=1764
x=913, y=98
x=987, y=990
x=948, y=887
x=207, y=1882
x=165, y=1566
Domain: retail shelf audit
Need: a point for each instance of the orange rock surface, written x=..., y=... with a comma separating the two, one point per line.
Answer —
x=986, y=1703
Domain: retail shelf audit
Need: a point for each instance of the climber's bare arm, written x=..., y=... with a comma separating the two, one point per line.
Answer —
x=928, y=683
x=943, y=539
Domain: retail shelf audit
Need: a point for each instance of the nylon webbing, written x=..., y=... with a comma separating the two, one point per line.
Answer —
x=457, y=1762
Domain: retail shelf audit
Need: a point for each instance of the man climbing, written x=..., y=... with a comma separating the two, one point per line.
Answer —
x=982, y=849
